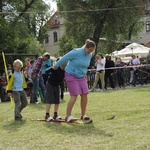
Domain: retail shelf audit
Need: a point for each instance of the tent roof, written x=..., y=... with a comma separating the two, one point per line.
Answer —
x=134, y=48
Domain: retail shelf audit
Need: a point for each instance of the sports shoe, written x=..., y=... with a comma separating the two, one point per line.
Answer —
x=46, y=117
x=49, y=119
x=18, y=118
x=85, y=117
x=57, y=117
x=37, y=102
x=92, y=90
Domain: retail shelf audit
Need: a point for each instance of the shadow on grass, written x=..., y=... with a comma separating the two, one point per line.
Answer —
x=37, y=106
x=78, y=129
x=13, y=126
x=42, y=105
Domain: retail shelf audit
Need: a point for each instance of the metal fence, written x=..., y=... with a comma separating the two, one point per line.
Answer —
x=143, y=77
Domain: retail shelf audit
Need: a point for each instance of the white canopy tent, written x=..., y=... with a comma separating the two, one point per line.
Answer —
x=134, y=48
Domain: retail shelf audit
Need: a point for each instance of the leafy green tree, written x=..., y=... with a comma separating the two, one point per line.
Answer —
x=9, y=36
x=115, y=20
x=23, y=29
x=66, y=45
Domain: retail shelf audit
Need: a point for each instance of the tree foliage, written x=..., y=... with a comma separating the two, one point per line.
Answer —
x=66, y=45
x=115, y=20
x=20, y=25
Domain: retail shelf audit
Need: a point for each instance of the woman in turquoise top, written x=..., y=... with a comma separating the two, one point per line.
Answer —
x=75, y=76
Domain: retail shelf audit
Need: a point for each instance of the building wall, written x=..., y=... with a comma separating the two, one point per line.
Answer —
x=51, y=46
x=144, y=36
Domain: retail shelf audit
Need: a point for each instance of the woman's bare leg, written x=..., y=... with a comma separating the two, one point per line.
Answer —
x=83, y=104
x=70, y=105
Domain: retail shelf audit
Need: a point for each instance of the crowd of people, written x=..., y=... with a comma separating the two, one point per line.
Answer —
x=42, y=78
x=45, y=79
x=112, y=72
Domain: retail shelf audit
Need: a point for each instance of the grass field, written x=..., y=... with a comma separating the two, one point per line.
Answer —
x=129, y=130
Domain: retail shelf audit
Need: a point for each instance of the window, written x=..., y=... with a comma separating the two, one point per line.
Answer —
x=55, y=36
x=147, y=26
x=47, y=40
x=56, y=20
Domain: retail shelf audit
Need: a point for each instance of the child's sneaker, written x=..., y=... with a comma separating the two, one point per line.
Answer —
x=56, y=117
x=49, y=119
x=46, y=117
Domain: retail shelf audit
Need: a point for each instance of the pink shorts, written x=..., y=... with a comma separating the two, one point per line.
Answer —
x=76, y=86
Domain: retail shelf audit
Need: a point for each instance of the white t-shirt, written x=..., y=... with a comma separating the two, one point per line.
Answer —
x=135, y=62
x=99, y=66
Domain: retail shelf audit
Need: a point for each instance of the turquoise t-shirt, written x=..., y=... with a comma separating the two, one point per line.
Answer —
x=46, y=64
x=78, y=62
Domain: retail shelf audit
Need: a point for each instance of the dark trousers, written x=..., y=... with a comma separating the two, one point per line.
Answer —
x=20, y=100
x=109, y=77
x=61, y=89
x=45, y=78
x=120, y=78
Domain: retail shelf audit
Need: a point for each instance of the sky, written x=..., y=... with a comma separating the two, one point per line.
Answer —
x=53, y=4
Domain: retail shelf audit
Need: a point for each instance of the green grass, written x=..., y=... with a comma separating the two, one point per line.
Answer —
x=129, y=130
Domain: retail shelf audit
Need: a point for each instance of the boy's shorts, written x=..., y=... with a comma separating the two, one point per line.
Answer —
x=52, y=94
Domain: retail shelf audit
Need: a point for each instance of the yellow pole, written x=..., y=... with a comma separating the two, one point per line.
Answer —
x=6, y=72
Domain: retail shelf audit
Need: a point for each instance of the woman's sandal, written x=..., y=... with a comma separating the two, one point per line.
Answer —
x=85, y=117
x=70, y=119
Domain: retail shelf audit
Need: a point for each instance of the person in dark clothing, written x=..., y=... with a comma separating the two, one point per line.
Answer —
x=120, y=72
x=52, y=91
x=61, y=85
x=109, y=72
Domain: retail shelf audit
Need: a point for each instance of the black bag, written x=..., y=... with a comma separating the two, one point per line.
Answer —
x=100, y=71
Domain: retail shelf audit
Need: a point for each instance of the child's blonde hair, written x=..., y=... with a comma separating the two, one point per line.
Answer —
x=18, y=63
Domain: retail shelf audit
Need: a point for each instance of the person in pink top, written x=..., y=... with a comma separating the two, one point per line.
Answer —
x=27, y=66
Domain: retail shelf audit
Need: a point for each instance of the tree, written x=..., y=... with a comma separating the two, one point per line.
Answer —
x=66, y=45
x=115, y=20
x=19, y=28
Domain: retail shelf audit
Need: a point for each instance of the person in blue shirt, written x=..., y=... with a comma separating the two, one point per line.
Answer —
x=48, y=62
x=16, y=85
x=75, y=75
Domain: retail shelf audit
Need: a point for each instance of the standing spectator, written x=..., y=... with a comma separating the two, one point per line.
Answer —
x=38, y=79
x=27, y=65
x=109, y=72
x=16, y=86
x=9, y=69
x=52, y=91
x=46, y=64
x=134, y=70
x=100, y=71
x=120, y=72
x=30, y=83
x=75, y=74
